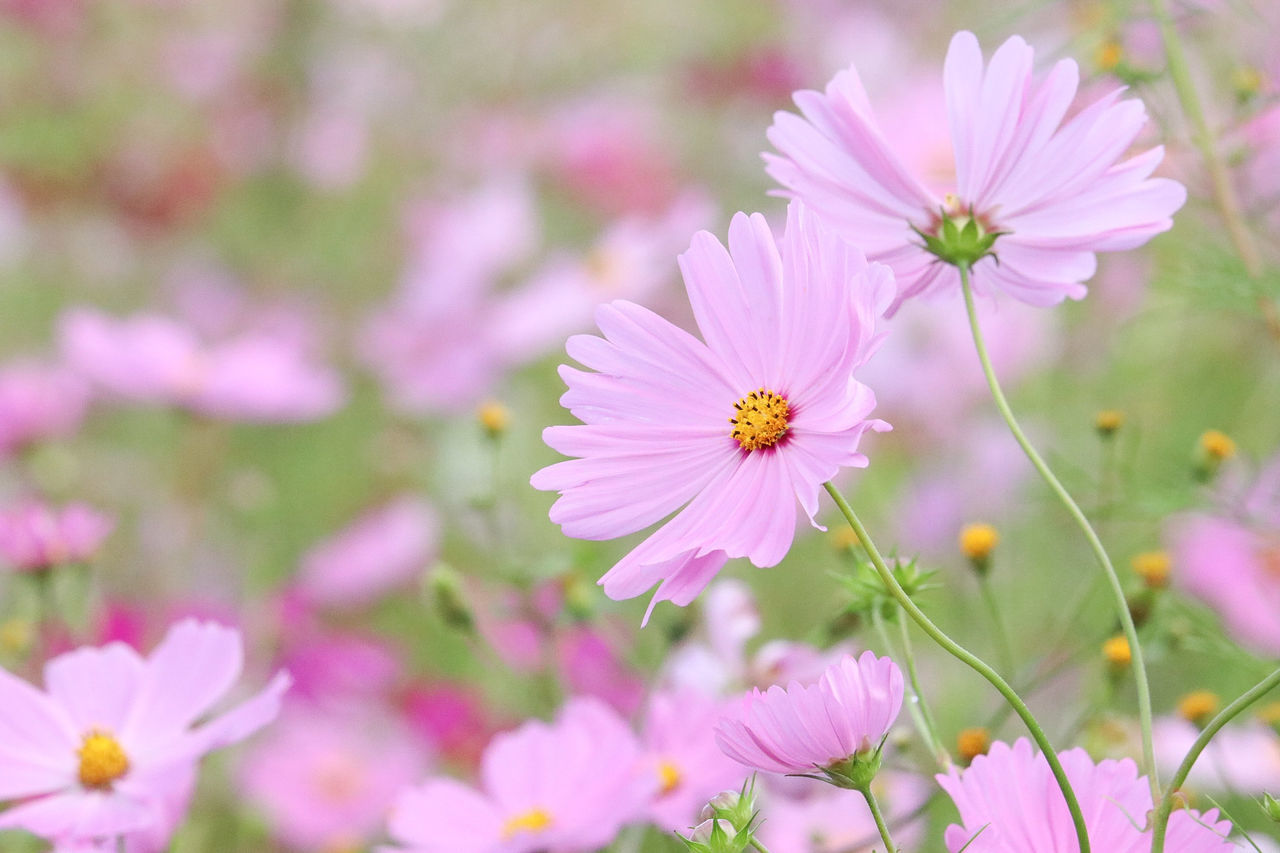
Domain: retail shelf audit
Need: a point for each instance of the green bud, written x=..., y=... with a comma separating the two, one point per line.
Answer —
x=854, y=772
x=738, y=808
x=959, y=238
x=1271, y=807
x=717, y=836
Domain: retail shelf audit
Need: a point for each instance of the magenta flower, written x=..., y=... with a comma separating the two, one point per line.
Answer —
x=734, y=430
x=564, y=787
x=93, y=755
x=1009, y=802
x=35, y=537
x=1055, y=191
x=820, y=728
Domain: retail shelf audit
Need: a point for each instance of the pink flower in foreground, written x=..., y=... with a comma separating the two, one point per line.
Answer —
x=734, y=430
x=39, y=402
x=386, y=548
x=35, y=537
x=154, y=359
x=93, y=755
x=563, y=787
x=1057, y=191
x=825, y=725
x=1010, y=803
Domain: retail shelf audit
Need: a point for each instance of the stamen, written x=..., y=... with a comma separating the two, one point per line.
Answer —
x=760, y=420
x=102, y=760
x=534, y=820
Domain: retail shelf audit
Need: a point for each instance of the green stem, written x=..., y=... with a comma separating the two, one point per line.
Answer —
x=919, y=714
x=760, y=847
x=930, y=727
x=970, y=659
x=879, y=818
x=1003, y=647
x=1073, y=509
x=1165, y=807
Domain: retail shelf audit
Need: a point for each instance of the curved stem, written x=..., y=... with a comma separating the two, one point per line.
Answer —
x=1003, y=647
x=969, y=658
x=879, y=819
x=1073, y=509
x=1165, y=806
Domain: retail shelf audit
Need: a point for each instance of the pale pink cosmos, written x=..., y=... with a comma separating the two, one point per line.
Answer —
x=153, y=359
x=388, y=547
x=1058, y=189
x=39, y=402
x=785, y=325
x=562, y=787
x=35, y=536
x=92, y=755
x=805, y=728
x=591, y=665
x=680, y=751
x=1009, y=802
x=1243, y=757
x=324, y=780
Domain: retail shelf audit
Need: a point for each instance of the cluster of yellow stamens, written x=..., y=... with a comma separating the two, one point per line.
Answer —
x=760, y=420
x=534, y=820
x=102, y=760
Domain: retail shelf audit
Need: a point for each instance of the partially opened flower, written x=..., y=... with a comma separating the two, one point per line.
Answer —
x=734, y=430
x=1040, y=191
x=1009, y=802
x=564, y=787
x=833, y=728
x=94, y=754
x=35, y=537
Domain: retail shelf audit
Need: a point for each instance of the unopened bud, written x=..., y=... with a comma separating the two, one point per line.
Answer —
x=445, y=586
x=1213, y=448
x=1270, y=807
x=971, y=743
x=1198, y=706
x=977, y=541
x=1108, y=422
x=717, y=836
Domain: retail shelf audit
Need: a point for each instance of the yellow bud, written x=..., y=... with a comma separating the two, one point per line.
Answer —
x=15, y=636
x=971, y=743
x=494, y=417
x=977, y=541
x=1109, y=55
x=1198, y=706
x=1108, y=422
x=1153, y=568
x=1217, y=445
x=1116, y=651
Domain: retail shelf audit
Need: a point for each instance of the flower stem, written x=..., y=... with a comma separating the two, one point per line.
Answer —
x=931, y=728
x=1003, y=647
x=879, y=818
x=918, y=710
x=1073, y=509
x=1165, y=806
x=760, y=847
x=969, y=658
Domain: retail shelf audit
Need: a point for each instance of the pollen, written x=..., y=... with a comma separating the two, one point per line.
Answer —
x=760, y=420
x=102, y=760
x=533, y=820
x=669, y=777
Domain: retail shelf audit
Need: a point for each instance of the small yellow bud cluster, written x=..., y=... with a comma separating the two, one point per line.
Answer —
x=1153, y=568
x=1116, y=652
x=1213, y=448
x=1198, y=706
x=1108, y=422
x=494, y=418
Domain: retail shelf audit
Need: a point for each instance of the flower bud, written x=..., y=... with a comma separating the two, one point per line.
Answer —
x=445, y=587
x=1153, y=568
x=977, y=542
x=1271, y=807
x=1117, y=653
x=1198, y=706
x=1213, y=448
x=1108, y=422
x=971, y=743
x=494, y=418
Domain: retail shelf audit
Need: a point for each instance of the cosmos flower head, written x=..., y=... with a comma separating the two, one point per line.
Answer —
x=1043, y=192
x=94, y=754
x=35, y=536
x=728, y=432
x=1009, y=803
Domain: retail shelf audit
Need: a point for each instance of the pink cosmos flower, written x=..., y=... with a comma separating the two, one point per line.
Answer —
x=804, y=729
x=324, y=780
x=1243, y=758
x=153, y=359
x=563, y=787
x=92, y=756
x=680, y=750
x=734, y=430
x=39, y=402
x=386, y=548
x=1057, y=191
x=1010, y=803
x=35, y=536
x=590, y=665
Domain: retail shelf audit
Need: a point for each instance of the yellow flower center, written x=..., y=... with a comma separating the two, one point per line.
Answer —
x=977, y=541
x=668, y=777
x=102, y=760
x=760, y=420
x=1116, y=651
x=534, y=820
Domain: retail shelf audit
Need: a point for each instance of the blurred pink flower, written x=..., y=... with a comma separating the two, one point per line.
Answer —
x=153, y=359
x=1009, y=803
x=332, y=666
x=590, y=666
x=1056, y=190
x=386, y=548
x=1242, y=758
x=452, y=718
x=39, y=402
x=804, y=729
x=680, y=751
x=562, y=787
x=785, y=328
x=34, y=536
x=826, y=819
x=94, y=755
x=325, y=780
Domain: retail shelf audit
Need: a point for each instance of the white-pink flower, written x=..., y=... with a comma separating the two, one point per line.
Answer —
x=1056, y=187
x=94, y=754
